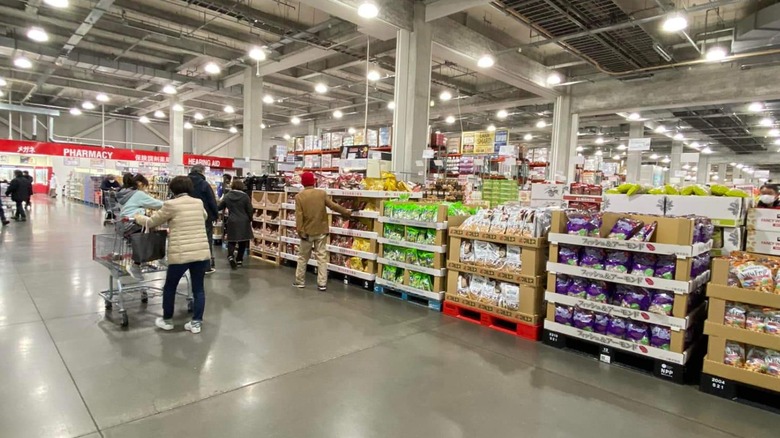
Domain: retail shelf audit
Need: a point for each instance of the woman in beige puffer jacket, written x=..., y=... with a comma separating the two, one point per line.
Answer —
x=188, y=250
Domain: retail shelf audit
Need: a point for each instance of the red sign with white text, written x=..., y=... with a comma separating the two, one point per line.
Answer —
x=108, y=153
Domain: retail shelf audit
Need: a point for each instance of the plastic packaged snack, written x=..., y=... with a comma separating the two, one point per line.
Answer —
x=616, y=327
x=645, y=234
x=583, y=319
x=578, y=287
x=734, y=354
x=421, y=281
x=568, y=255
x=510, y=296
x=755, y=277
x=477, y=285
x=772, y=321
x=618, y=261
x=578, y=223
x=773, y=363
x=662, y=302
x=666, y=267
x=754, y=320
x=357, y=264
x=660, y=337
x=756, y=360
x=412, y=234
x=638, y=332
x=644, y=264
x=411, y=256
x=562, y=283
x=391, y=273
x=637, y=298
x=463, y=284
x=490, y=293
x=425, y=259
x=595, y=225
x=619, y=293
x=600, y=323
x=360, y=244
x=598, y=291
x=466, y=251
x=624, y=228
x=486, y=253
x=563, y=314
x=513, y=261
x=394, y=253
x=427, y=236
x=592, y=258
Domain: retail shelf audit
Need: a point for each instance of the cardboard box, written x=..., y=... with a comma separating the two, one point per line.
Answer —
x=640, y=204
x=531, y=299
x=729, y=239
x=673, y=231
x=763, y=242
x=724, y=211
x=548, y=192
x=763, y=219
x=514, y=316
x=718, y=368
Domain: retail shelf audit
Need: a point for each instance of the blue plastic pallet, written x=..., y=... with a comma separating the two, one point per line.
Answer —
x=410, y=297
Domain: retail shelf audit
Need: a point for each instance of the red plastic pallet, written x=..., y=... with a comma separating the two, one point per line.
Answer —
x=525, y=331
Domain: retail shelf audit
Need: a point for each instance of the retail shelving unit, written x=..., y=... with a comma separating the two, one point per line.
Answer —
x=673, y=237
x=266, y=226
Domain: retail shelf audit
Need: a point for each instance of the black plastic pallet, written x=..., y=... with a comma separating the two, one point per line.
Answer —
x=680, y=374
x=740, y=392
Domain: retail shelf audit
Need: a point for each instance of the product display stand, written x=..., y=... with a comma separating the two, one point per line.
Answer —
x=525, y=320
x=739, y=381
x=266, y=224
x=672, y=238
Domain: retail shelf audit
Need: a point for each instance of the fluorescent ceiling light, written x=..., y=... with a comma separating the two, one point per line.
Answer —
x=144, y=119
x=654, y=157
x=88, y=105
x=695, y=145
x=554, y=79
x=75, y=112
x=674, y=23
x=57, y=3
x=732, y=164
x=616, y=157
x=212, y=68
x=756, y=107
x=634, y=116
x=22, y=62
x=450, y=120
x=599, y=153
x=706, y=150
x=391, y=105
x=37, y=34
x=169, y=89
x=373, y=76
x=660, y=129
x=229, y=109
x=295, y=120
x=491, y=128
x=102, y=98
x=368, y=10
x=580, y=149
x=486, y=61
x=774, y=132
x=198, y=116
x=337, y=114
x=777, y=142
x=268, y=99
x=351, y=131
x=766, y=121
x=433, y=103
x=686, y=166
x=541, y=124
x=286, y=136
x=679, y=136
x=257, y=53
x=715, y=177
x=716, y=53
x=666, y=159
x=321, y=88
x=187, y=125
x=177, y=107
x=599, y=140
x=159, y=114
x=3, y=83
x=263, y=126
x=528, y=137
x=740, y=166
x=233, y=130
x=445, y=96
x=502, y=114
x=622, y=147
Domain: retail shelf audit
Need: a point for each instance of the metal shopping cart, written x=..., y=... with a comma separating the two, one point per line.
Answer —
x=111, y=205
x=115, y=253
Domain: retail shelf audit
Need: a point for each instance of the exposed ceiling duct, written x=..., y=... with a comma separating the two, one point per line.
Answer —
x=758, y=31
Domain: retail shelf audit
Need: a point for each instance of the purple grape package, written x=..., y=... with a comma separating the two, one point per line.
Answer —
x=578, y=287
x=637, y=298
x=583, y=319
x=568, y=255
x=616, y=327
x=662, y=302
x=645, y=234
x=666, y=267
x=624, y=228
x=562, y=283
x=578, y=223
x=563, y=314
x=644, y=264
x=638, y=332
x=600, y=323
x=660, y=337
x=592, y=258
x=598, y=291
x=618, y=261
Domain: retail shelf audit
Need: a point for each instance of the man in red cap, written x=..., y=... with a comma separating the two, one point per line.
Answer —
x=311, y=220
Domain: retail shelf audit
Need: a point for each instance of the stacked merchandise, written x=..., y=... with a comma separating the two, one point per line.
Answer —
x=85, y=187
x=496, y=269
x=743, y=325
x=499, y=191
x=584, y=196
x=412, y=251
x=158, y=187
x=763, y=231
x=266, y=226
x=629, y=283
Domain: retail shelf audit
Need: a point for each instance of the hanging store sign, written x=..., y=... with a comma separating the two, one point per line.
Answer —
x=72, y=151
x=639, y=144
x=500, y=140
x=478, y=142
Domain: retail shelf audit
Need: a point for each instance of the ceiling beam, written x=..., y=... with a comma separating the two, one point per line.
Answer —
x=442, y=8
x=393, y=15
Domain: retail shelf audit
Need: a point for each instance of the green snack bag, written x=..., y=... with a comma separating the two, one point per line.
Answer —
x=411, y=256
x=425, y=258
x=412, y=234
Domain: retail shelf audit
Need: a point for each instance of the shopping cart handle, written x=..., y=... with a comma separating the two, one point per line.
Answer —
x=128, y=219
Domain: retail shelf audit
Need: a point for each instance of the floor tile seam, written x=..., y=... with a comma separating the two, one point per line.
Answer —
x=617, y=394
x=13, y=324
x=264, y=380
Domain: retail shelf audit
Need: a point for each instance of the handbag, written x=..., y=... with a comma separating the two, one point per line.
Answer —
x=148, y=245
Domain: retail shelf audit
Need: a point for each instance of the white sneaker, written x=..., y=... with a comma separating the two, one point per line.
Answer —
x=135, y=272
x=164, y=324
x=193, y=326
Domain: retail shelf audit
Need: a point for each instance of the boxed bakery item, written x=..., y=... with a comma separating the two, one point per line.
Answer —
x=327, y=160
x=763, y=242
x=641, y=204
x=763, y=219
x=725, y=211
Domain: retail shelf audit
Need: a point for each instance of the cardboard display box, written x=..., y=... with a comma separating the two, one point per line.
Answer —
x=531, y=300
x=763, y=219
x=718, y=368
x=548, y=192
x=640, y=204
x=511, y=315
x=728, y=240
x=673, y=231
x=725, y=211
x=533, y=260
x=763, y=242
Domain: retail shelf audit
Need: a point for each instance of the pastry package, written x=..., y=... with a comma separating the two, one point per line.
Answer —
x=510, y=296
x=490, y=293
x=466, y=251
x=463, y=284
x=513, y=260
x=734, y=354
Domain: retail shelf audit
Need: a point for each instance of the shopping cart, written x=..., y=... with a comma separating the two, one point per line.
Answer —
x=111, y=205
x=115, y=253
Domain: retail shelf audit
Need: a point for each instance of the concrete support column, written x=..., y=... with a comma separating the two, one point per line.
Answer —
x=561, y=138
x=412, y=94
x=634, y=159
x=176, y=135
x=703, y=169
x=676, y=157
x=253, y=148
x=722, y=172
x=572, y=149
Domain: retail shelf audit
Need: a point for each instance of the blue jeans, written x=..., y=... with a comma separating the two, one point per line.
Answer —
x=175, y=273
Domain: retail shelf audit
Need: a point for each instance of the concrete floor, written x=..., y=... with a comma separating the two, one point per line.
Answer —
x=274, y=361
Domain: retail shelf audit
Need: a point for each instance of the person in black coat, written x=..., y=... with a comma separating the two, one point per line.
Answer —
x=238, y=225
x=203, y=191
x=29, y=178
x=20, y=190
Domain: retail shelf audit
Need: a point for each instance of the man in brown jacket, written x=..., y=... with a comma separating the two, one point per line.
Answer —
x=311, y=220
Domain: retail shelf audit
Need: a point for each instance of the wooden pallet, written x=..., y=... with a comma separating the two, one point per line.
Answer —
x=274, y=258
x=409, y=297
x=492, y=321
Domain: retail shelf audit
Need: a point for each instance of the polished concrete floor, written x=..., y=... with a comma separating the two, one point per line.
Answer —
x=274, y=361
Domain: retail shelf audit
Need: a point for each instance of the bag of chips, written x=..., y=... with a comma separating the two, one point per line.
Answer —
x=592, y=258
x=638, y=332
x=618, y=261
x=568, y=255
x=583, y=319
x=624, y=228
x=563, y=314
x=660, y=337
x=734, y=354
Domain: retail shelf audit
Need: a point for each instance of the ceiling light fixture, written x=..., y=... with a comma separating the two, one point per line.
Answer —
x=177, y=107
x=706, y=150
x=22, y=62
x=528, y=137
x=554, y=79
x=491, y=128
x=337, y=114
x=75, y=112
x=3, y=83
x=159, y=114
x=268, y=99
x=373, y=76
x=257, y=53
x=187, y=125
x=169, y=89
x=580, y=149
x=777, y=142
x=391, y=105
x=674, y=23
x=599, y=140
x=666, y=160
x=144, y=119
x=766, y=121
x=716, y=53
x=368, y=10
x=622, y=147
x=541, y=124
x=212, y=68
x=740, y=166
x=88, y=105
x=263, y=126
x=756, y=107
x=433, y=103
x=198, y=116
x=295, y=120
x=486, y=61
x=321, y=88
x=102, y=98
x=634, y=116
x=502, y=114
x=229, y=109
x=695, y=145
x=732, y=164
x=233, y=130
x=286, y=136
x=654, y=156
x=37, y=34
x=660, y=129
x=450, y=120
x=774, y=132
x=445, y=96
x=351, y=131
x=616, y=157
x=57, y=3
x=598, y=153
x=679, y=136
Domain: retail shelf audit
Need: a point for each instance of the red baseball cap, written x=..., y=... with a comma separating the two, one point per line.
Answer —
x=307, y=179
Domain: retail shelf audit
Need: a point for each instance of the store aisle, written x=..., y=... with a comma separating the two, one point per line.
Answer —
x=275, y=361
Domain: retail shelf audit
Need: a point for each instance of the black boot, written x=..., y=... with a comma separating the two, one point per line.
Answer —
x=233, y=263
